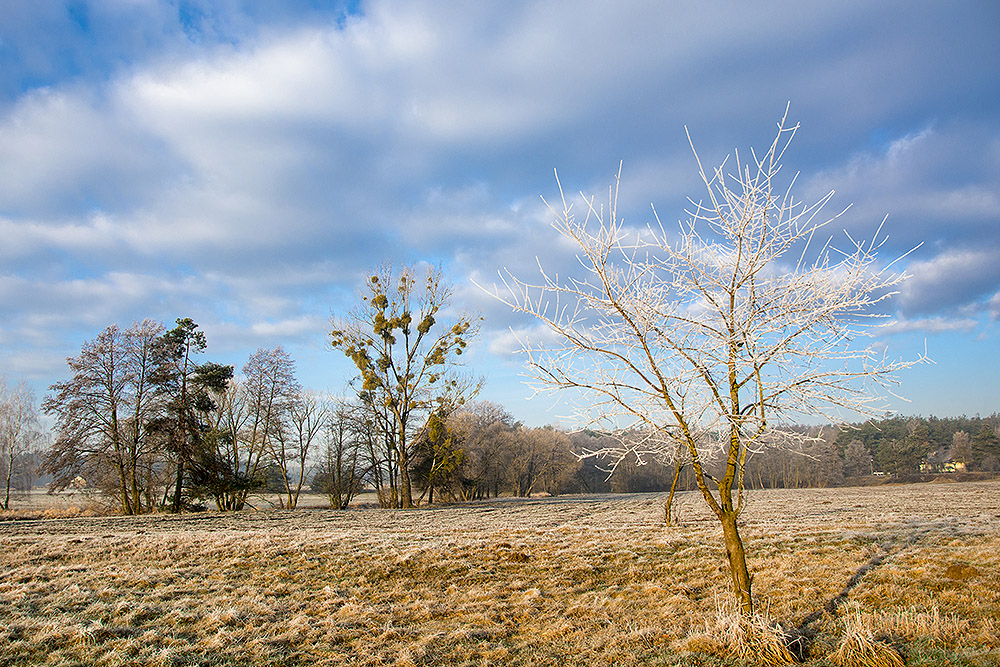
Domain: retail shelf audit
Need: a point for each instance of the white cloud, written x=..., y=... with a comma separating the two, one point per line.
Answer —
x=931, y=325
x=994, y=306
x=950, y=280
x=289, y=328
x=64, y=150
x=935, y=184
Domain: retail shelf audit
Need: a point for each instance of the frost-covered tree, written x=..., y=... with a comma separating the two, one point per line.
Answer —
x=713, y=334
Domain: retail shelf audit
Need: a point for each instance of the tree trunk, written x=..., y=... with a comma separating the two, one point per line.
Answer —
x=123, y=483
x=179, y=483
x=134, y=482
x=737, y=563
x=405, y=491
x=6, y=497
x=673, y=487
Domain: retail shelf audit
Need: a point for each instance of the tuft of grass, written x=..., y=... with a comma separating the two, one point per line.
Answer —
x=753, y=640
x=929, y=625
x=860, y=648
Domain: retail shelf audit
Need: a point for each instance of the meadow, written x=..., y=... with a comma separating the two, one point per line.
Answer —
x=582, y=580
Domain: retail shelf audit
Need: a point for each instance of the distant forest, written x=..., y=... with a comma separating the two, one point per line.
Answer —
x=895, y=448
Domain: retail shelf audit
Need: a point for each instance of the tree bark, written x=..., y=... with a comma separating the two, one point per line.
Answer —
x=737, y=563
x=673, y=487
x=10, y=468
x=405, y=491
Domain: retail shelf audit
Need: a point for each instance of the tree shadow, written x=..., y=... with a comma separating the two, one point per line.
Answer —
x=804, y=634
x=852, y=583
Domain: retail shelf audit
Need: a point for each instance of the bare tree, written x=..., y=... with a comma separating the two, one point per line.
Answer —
x=270, y=387
x=403, y=358
x=104, y=415
x=714, y=334
x=342, y=467
x=486, y=433
x=304, y=420
x=373, y=424
x=541, y=460
x=18, y=432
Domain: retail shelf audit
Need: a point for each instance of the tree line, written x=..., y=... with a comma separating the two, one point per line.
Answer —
x=147, y=424
x=145, y=421
x=894, y=447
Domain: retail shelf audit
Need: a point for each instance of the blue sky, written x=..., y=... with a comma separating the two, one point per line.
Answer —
x=244, y=163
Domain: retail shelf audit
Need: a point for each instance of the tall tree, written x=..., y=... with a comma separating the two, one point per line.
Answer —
x=305, y=420
x=19, y=431
x=104, y=415
x=715, y=333
x=270, y=389
x=187, y=387
x=342, y=468
x=403, y=356
x=182, y=343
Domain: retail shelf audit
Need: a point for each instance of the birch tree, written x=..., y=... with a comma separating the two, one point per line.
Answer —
x=18, y=432
x=715, y=333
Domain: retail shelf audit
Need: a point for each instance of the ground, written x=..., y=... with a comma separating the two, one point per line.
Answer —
x=583, y=580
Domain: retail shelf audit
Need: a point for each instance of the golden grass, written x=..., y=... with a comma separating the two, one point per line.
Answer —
x=754, y=640
x=575, y=581
x=859, y=647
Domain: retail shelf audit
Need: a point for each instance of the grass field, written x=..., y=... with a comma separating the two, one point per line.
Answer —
x=574, y=581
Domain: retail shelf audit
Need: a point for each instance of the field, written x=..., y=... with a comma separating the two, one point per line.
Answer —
x=572, y=581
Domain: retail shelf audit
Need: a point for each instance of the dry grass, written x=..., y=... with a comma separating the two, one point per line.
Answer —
x=859, y=646
x=577, y=581
x=754, y=640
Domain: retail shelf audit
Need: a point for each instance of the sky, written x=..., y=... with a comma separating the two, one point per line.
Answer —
x=246, y=163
